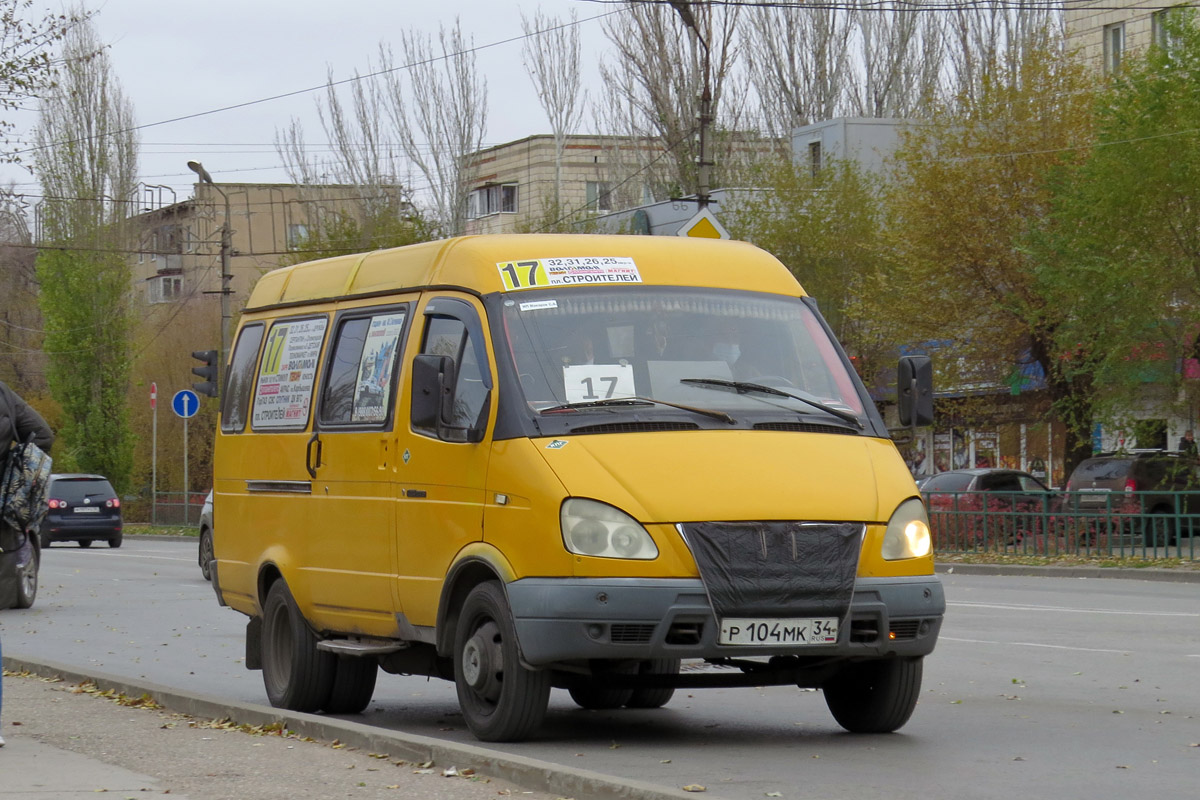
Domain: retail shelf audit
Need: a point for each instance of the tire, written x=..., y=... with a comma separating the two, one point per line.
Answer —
x=501, y=700
x=85, y=542
x=206, y=553
x=45, y=540
x=655, y=697
x=297, y=675
x=27, y=582
x=599, y=698
x=353, y=684
x=1159, y=529
x=875, y=696
x=115, y=541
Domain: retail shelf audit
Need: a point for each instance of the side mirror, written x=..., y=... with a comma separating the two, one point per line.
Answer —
x=914, y=391
x=432, y=392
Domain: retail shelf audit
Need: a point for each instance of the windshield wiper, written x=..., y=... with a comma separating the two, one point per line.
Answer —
x=744, y=387
x=638, y=401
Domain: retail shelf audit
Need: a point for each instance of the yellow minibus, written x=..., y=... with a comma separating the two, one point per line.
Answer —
x=535, y=462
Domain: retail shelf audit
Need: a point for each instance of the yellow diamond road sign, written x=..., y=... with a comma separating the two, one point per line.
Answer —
x=704, y=226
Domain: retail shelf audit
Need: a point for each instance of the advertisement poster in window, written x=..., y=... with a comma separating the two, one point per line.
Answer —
x=373, y=392
x=289, y=368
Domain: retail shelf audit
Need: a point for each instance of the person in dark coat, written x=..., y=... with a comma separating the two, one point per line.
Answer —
x=18, y=550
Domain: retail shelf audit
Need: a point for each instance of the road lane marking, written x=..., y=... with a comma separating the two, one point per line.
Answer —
x=1035, y=644
x=1060, y=609
x=127, y=554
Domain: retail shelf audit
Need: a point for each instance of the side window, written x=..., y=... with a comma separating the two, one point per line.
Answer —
x=448, y=336
x=358, y=390
x=287, y=375
x=240, y=378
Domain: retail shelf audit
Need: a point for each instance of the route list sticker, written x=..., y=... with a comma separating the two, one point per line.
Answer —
x=289, y=369
x=541, y=272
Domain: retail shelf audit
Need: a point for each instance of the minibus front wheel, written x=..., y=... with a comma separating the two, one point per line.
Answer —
x=501, y=700
x=297, y=675
x=874, y=696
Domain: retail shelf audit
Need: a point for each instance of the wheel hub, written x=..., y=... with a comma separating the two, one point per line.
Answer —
x=483, y=661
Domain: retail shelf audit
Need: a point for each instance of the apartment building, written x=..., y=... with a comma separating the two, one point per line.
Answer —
x=1105, y=32
x=178, y=244
x=520, y=185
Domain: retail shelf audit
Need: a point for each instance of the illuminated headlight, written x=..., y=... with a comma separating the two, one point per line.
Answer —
x=907, y=534
x=590, y=528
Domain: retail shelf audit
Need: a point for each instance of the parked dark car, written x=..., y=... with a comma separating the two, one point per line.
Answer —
x=83, y=508
x=985, y=507
x=1150, y=493
x=206, y=537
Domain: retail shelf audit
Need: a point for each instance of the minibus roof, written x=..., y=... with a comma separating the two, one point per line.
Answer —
x=475, y=263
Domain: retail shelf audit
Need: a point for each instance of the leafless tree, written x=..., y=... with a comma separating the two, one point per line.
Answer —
x=22, y=362
x=438, y=104
x=800, y=64
x=986, y=41
x=656, y=76
x=362, y=152
x=898, y=57
x=551, y=56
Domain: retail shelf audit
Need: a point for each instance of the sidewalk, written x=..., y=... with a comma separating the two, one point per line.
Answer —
x=66, y=744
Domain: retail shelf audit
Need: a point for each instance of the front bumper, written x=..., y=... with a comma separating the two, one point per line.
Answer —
x=634, y=618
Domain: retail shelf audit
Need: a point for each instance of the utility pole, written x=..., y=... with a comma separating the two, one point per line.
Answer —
x=703, y=190
x=226, y=275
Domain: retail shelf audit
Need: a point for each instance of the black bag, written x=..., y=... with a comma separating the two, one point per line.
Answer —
x=23, y=487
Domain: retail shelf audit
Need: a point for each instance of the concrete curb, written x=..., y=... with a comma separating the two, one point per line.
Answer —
x=530, y=773
x=1029, y=570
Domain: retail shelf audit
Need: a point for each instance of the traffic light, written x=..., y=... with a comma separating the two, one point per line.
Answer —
x=208, y=372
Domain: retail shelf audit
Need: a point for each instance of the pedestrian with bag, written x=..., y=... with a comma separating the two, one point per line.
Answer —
x=19, y=424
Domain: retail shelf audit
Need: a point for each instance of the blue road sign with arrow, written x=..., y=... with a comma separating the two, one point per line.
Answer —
x=185, y=403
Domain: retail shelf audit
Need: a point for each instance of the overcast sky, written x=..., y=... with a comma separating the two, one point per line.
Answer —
x=175, y=59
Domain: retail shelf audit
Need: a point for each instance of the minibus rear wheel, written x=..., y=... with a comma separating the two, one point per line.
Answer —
x=875, y=696
x=501, y=700
x=297, y=675
x=353, y=684
x=658, y=696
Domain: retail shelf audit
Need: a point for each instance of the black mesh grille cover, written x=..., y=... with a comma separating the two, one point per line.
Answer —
x=777, y=569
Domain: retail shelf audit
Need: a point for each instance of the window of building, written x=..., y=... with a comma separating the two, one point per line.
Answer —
x=814, y=157
x=498, y=198
x=599, y=196
x=1163, y=37
x=296, y=236
x=1114, y=46
x=164, y=288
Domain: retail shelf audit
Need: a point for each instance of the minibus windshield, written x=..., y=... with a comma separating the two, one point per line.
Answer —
x=709, y=351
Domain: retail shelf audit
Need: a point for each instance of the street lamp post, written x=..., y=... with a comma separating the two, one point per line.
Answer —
x=684, y=7
x=226, y=276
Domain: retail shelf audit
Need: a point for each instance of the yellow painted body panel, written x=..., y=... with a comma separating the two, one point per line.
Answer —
x=390, y=512
x=472, y=262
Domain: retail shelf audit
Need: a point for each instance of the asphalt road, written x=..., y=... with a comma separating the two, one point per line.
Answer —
x=1039, y=687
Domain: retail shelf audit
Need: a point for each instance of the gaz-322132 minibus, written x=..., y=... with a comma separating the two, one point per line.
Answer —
x=531, y=462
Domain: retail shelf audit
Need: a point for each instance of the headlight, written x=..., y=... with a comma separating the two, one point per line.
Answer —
x=907, y=534
x=591, y=528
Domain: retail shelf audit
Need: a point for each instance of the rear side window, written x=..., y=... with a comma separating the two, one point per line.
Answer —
x=947, y=482
x=240, y=379
x=76, y=490
x=1103, y=469
x=287, y=374
x=360, y=385
x=1001, y=482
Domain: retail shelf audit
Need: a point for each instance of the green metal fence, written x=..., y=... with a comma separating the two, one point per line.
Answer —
x=1120, y=524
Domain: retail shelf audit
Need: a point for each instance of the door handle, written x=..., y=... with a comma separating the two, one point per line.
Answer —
x=309, y=464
